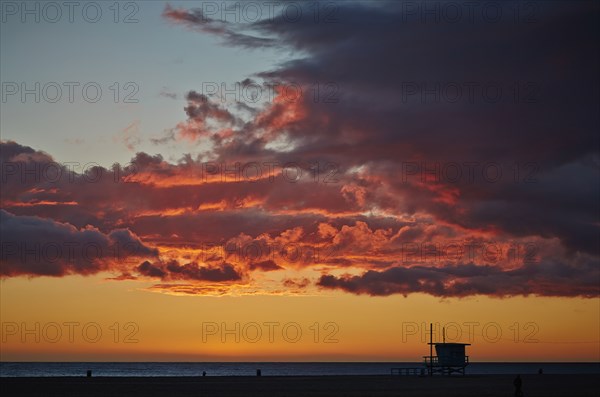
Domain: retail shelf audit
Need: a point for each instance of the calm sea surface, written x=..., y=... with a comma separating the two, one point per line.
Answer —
x=269, y=368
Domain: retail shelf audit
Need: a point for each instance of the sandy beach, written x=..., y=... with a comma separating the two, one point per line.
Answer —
x=330, y=386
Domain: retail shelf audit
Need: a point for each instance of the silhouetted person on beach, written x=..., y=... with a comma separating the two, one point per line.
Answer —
x=203, y=373
x=518, y=384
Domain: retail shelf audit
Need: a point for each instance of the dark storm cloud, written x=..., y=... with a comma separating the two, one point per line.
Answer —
x=528, y=95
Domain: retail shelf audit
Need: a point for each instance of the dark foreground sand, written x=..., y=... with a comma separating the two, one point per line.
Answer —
x=329, y=386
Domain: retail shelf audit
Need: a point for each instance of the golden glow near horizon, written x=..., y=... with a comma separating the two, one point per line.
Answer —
x=88, y=318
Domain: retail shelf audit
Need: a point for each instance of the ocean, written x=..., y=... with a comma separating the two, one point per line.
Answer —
x=22, y=369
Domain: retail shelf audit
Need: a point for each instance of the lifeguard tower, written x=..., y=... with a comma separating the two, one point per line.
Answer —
x=450, y=357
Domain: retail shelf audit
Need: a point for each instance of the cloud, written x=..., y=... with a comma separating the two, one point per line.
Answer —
x=172, y=270
x=392, y=108
x=148, y=269
x=319, y=229
x=545, y=279
x=265, y=266
x=166, y=93
x=394, y=170
x=296, y=283
x=196, y=20
x=42, y=247
x=129, y=136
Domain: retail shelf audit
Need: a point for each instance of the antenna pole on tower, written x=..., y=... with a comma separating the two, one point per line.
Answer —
x=430, y=349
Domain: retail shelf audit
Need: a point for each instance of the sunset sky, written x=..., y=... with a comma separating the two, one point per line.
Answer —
x=221, y=181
